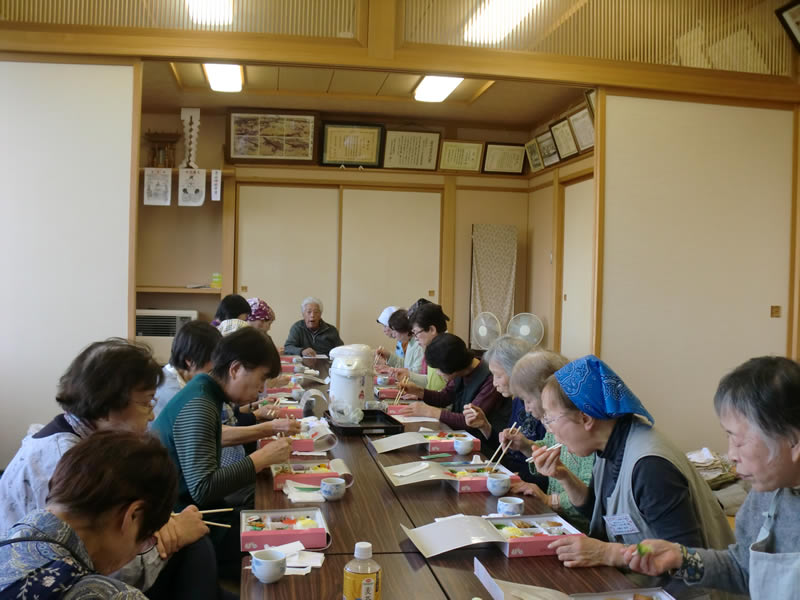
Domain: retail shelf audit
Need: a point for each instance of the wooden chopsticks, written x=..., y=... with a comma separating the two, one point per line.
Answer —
x=514, y=429
x=208, y=512
x=400, y=391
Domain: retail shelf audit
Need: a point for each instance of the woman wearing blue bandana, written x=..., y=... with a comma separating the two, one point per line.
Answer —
x=642, y=485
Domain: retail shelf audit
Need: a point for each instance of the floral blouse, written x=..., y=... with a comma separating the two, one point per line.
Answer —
x=56, y=567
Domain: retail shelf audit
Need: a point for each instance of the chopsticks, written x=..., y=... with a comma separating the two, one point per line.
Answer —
x=208, y=512
x=291, y=468
x=553, y=447
x=400, y=390
x=510, y=431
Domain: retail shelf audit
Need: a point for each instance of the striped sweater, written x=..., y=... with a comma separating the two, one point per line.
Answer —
x=190, y=428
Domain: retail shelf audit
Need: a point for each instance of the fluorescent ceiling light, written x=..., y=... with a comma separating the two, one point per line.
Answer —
x=211, y=12
x=496, y=19
x=224, y=78
x=433, y=88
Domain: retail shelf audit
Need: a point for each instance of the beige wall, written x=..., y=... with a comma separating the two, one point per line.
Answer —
x=697, y=226
x=482, y=206
x=65, y=160
x=540, y=259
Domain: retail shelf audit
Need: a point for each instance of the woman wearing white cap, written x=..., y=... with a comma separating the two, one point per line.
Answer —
x=383, y=320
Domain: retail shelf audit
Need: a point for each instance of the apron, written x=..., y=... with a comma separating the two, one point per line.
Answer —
x=772, y=576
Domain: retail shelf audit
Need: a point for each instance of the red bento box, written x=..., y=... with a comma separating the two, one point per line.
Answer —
x=543, y=530
x=444, y=441
x=277, y=532
x=303, y=473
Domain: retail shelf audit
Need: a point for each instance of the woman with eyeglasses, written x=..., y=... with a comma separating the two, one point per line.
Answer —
x=427, y=321
x=110, y=386
x=412, y=353
x=642, y=485
x=108, y=496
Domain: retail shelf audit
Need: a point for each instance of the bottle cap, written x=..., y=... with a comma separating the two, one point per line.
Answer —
x=363, y=550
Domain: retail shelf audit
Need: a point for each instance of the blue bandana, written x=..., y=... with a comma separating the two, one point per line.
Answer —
x=596, y=390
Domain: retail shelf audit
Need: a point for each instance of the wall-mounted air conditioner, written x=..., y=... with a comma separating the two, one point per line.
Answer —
x=157, y=328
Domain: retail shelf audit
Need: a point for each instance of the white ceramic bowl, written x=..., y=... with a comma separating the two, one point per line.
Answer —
x=268, y=565
x=332, y=488
x=498, y=483
x=510, y=506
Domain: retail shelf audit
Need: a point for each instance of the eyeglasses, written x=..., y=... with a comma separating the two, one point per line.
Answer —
x=417, y=332
x=547, y=421
x=148, y=545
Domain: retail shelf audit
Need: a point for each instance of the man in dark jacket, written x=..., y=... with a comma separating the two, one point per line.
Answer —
x=311, y=335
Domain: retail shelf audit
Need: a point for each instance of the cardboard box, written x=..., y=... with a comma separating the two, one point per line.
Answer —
x=444, y=441
x=305, y=472
x=542, y=530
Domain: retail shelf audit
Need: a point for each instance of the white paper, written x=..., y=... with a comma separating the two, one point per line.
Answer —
x=216, y=185
x=339, y=466
x=191, y=187
x=311, y=453
x=506, y=590
x=404, y=419
x=157, y=187
x=620, y=524
x=450, y=534
x=299, y=492
x=293, y=571
x=289, y=549
x=305, y=559
x=401, y=440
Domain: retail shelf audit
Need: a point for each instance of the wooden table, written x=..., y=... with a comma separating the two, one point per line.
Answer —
x=372, y=510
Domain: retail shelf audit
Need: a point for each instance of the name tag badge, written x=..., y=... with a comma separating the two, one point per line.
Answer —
x=620, y=524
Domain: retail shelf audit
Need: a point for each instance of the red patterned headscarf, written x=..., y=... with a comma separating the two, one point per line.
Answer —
x=259, y=310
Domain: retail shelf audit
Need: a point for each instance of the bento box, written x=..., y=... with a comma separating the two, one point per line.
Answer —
x=530, y=535
x=284, y=408
x=472, y=477
x=385, y=393
x=444, y=441
x=311, y=473
x=638, y=594
x=527, y=535
x=261, y=528
x=316, y=437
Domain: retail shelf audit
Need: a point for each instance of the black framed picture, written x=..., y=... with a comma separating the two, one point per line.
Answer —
x=789, y=16
x=271, y=136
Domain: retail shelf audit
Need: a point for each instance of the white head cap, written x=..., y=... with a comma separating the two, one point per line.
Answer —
x=387, y=312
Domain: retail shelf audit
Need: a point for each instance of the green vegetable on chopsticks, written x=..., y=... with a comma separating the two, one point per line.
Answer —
x=642, y=549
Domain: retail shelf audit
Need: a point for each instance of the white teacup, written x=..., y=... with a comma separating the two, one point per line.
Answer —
x=498, y=483
x=332, y=488
x=463, y=447
x=510, y=506
x=297, y=394
x=268, y=565
x=383, y=380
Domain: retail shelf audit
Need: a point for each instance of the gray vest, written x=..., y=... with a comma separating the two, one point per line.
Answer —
x=646, y=441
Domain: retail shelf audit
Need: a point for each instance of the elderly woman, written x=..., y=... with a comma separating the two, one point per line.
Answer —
x=501, y=357
x=109, y=386
x=109, y=494
x=527, y=380
x=261, y=315
x=642, y=486
x=757, y=405
x=383, y=321
x=469, y=381
x=311, y=335
x=427, y=321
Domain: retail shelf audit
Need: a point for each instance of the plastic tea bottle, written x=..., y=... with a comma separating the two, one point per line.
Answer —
x=362, y=575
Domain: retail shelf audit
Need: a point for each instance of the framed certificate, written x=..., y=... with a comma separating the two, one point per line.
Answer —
x=534, y=156
x=504, y=158
x=565, y=140
x=547, y=148
x=583, y=128
x=271, y=136
x=789, y=16
x=411, y=150
x=457, y=155
x=352, y=144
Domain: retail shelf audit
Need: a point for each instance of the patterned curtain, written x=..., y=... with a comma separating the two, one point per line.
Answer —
x=494, y=267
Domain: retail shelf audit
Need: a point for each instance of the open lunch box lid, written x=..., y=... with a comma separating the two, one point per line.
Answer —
x=374, y=422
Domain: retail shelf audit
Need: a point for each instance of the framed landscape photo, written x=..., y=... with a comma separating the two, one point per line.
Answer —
x=547, y=148
x=411, y=150
x=352, y=144
x=534, y=156
x=458, y=155
x=564, y=138
x=271, y=136
x=789, y=16
x=583, y=128
x=504, y=158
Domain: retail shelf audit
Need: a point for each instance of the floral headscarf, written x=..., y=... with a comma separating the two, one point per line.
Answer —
x=259, y=310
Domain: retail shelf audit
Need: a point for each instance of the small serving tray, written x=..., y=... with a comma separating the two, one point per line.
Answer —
x=374, y=422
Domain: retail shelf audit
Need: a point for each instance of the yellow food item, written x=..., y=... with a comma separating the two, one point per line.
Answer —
x=642, y=597
x=510, y=532
x=306, y=524
x=320, y=469
x=462, y=474
x=552, y=524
